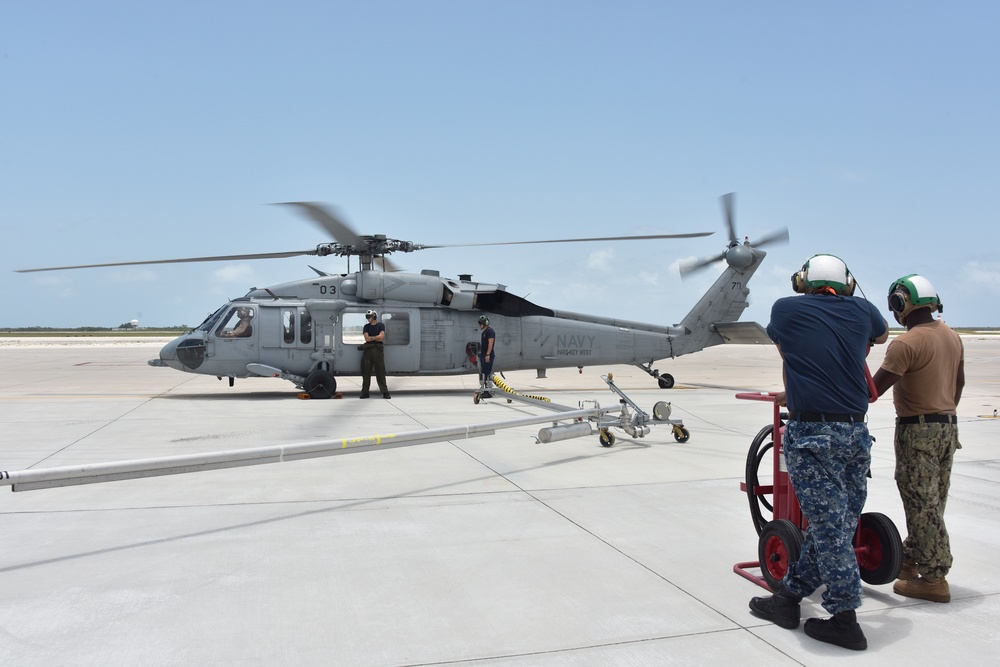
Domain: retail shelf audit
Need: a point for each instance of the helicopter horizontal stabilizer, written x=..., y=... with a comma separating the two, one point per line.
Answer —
x=742, y=333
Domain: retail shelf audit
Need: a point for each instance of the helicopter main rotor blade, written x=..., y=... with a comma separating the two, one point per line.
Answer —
x=329, y=221
x=598, y=238
x=220, y=258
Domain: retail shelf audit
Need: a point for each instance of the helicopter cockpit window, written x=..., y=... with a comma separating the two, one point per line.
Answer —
x=211, y=320
x=237, y=324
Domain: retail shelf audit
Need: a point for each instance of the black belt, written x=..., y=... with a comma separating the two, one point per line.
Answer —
x=825, y=416
x=928, y=419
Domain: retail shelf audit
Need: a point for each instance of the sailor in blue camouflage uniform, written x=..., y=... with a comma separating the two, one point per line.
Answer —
x=823, y=337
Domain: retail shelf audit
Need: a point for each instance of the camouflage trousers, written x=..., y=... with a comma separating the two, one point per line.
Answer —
x=828, y=465
x=924, y=454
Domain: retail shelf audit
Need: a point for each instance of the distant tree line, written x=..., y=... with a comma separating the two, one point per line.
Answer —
x=125, y=326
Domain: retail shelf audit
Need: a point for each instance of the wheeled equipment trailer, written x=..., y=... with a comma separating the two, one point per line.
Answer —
x=628, y=417
x=876, y=542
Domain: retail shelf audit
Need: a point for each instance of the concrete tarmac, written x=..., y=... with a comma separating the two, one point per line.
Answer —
x=488, y=551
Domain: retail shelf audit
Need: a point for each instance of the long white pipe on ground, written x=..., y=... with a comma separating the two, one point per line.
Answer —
x=43, y=478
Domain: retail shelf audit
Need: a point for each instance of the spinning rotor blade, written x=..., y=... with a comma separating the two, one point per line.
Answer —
x=733, y=255
x=600, y=238
x=329, y=222
x=780, y=236
x=220, y=258
x=728, y=204
x=693, y=265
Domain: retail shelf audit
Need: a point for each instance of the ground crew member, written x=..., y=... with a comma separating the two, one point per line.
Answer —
x=926, y=369
x=487, y=354
x=373, y=355
x=823, y=337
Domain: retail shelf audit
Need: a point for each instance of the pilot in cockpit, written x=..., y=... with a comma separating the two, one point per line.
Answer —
x=243, y=328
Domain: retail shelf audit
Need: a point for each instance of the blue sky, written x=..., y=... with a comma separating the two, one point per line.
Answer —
x=139, y=130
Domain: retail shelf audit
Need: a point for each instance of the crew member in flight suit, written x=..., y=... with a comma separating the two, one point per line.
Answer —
x=487, y=354
x=373, y=356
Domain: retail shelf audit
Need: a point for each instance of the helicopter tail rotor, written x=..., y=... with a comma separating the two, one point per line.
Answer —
x=737, y=255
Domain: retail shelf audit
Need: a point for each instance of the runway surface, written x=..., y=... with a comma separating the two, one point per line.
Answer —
x=486, y=551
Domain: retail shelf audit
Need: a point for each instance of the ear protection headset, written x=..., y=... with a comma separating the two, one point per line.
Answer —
x=823, y=271
x=911, y=292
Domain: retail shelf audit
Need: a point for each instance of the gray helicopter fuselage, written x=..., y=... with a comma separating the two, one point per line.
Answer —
x=432, y=328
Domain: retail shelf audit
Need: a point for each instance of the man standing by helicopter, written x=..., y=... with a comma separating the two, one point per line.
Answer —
x=823, y=336
x=486, y=354
x=373, y=356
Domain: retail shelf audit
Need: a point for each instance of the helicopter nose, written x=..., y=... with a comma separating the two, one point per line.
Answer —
x=168, y=354
x=182, y=353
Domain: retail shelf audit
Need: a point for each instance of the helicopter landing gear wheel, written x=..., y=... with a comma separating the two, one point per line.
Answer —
x=320, y=384
x=681, y=434
x=880, y=551
x=606, y=437
x=666, y=381
x=779, y=546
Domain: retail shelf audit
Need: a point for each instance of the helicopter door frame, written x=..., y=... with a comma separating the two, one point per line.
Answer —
x=402, y=340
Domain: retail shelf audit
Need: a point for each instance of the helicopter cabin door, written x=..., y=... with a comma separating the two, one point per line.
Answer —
x=402, y=340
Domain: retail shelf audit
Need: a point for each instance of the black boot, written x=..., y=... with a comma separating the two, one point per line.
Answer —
x=841, y=629
x=782, y=608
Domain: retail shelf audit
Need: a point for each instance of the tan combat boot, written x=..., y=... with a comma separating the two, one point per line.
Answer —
x=924, y=588
x=908, y=571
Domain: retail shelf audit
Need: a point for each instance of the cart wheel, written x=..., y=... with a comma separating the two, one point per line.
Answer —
x=681, y=434
x=879, y=549
x=779, y=546
x=606, y=437
x=475, y=398
x=759, y=504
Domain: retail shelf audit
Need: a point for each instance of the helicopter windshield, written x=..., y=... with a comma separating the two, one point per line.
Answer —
x=211, y=320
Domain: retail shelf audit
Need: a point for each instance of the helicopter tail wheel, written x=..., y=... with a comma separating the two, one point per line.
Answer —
x=666, y=381
x=606, y=437
x=320, y=384
x=759, y=504
x=879, y=549
x=681, y=434
x=779, y=546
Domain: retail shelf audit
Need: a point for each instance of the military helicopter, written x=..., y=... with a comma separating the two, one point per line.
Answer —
x=309, y=331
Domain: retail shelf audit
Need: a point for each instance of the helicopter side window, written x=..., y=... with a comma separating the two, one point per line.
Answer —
x=397, y=328
x=288, y=325
x=305, y=327
x=238, y=323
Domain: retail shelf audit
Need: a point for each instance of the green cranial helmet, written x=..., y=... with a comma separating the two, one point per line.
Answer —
x=910, y=292
x=484, y=320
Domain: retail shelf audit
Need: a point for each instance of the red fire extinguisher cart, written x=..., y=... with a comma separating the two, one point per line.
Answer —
x=876, y=543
